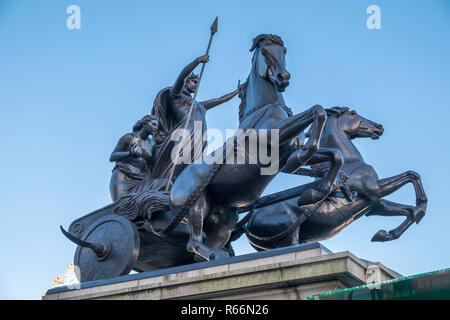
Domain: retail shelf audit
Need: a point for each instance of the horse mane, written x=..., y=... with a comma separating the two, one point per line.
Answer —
x=336, y=111
x=270, y=37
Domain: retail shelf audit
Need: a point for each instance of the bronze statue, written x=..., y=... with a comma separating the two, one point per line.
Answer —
x=149, y=227
x=286, y=223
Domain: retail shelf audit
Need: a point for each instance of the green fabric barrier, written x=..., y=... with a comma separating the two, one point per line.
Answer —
x=426, y=286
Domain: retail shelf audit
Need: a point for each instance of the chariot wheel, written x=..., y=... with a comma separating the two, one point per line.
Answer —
x=112, y=249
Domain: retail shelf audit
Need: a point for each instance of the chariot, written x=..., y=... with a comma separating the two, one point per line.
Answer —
x=111, y=245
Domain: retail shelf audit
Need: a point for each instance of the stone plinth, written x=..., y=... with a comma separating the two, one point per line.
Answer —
x=287, y=273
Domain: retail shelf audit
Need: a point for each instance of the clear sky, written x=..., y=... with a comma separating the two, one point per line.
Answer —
x=67, y=96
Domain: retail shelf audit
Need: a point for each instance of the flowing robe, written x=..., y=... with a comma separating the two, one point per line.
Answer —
x=163, y=162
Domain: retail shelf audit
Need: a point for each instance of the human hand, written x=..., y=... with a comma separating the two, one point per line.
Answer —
x=136, y=151
x=241, y=85
x=203, y=59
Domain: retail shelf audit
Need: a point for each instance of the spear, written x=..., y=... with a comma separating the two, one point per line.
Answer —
x=213, y=31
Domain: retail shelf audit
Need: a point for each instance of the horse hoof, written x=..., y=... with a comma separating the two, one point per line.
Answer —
x=418, y=213
x=311, y=196
x=190, y=247
x=219, y=254
x=381, y=236
x=197, y=250
x=307, y=197
x=203, y=253
x=199, y=258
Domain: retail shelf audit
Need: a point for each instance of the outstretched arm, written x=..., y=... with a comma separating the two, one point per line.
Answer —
x=209, y=104
x=179, y=83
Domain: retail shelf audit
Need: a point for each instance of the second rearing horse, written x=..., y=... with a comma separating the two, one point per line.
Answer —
x=278, y=225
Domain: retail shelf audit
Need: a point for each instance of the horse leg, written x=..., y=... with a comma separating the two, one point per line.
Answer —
x=336, y=159
x=414, y=178
x=292, y=126
x=209, y=233
x=376, y=189
x=196, y=244
x=197, y=215
x=218, y=228
x=229, y=248
x=389, y=208
x=381, y=188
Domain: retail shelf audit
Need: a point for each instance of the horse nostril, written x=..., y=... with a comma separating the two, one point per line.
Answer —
x=283, y=76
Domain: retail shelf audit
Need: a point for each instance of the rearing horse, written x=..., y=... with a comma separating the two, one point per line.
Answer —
x=277, y=225
x=209, y=194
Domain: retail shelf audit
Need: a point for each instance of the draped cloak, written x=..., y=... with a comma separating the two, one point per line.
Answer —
x=163, y=162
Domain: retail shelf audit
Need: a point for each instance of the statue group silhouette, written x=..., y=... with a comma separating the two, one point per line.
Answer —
x=186, y=212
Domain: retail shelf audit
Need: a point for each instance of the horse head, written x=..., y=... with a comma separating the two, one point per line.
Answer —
x=353, y=124
x=269, y=60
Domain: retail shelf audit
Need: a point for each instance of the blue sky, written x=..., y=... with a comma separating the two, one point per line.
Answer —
x=66, y=96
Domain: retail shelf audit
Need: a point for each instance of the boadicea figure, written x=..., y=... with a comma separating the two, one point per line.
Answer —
x=134, y=160
x=171, y=107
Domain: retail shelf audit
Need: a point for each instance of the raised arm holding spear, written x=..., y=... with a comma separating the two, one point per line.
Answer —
x=213, y=31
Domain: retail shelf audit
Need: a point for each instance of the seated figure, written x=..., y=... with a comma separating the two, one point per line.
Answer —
x=134, y=161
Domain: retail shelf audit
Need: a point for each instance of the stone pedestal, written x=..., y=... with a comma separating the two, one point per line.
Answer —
x=287, y=273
